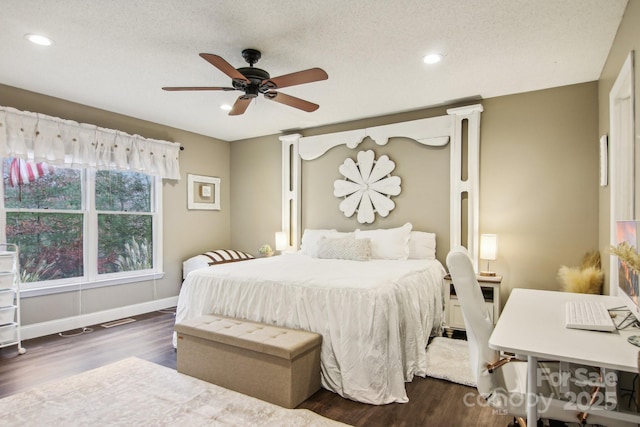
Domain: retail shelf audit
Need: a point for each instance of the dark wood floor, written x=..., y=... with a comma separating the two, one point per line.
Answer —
x=432, y=402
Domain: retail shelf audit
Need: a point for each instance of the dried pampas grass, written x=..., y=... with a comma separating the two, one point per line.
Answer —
x=581, y=280
x=586, y=279
x=591, y=259
x=627, y=254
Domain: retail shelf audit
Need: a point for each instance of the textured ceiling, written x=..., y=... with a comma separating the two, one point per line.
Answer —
x=117, y=54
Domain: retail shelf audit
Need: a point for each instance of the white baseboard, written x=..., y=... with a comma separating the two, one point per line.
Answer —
x=54, y=326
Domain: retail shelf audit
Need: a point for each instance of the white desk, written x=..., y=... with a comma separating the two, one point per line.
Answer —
x=532, y=324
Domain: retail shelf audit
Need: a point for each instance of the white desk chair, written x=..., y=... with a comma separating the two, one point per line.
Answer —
x=502, y=384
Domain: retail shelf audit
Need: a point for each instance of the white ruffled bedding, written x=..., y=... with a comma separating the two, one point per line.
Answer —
x=375, y=317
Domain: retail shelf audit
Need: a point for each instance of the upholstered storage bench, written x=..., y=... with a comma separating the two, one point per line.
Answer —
x=271, y=363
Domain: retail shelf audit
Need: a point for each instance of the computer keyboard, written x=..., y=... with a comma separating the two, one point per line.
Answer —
x=590, y=315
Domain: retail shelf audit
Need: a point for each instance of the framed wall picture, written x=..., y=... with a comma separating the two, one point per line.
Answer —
x=203, y=192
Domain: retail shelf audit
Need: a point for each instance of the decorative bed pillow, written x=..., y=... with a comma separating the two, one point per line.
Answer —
x=422, y=245
x=392, y=243
x=348, y=248
x=206, y=259
x=311, y=238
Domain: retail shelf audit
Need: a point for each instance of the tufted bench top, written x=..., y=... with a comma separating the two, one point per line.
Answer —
x=274, y=340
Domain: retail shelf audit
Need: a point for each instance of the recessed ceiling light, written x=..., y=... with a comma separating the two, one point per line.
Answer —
x=225, y=107
x=39, y=39
x=433, y=58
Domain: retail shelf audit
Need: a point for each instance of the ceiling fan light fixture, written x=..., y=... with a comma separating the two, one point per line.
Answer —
x=225, y=107
x=255, y=81
x=39, y=39
x=432, y=58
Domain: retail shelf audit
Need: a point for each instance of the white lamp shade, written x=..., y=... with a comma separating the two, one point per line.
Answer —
x=281, y=240
x=488, y=246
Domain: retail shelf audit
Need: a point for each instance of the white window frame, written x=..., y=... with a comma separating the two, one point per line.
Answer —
x=91, y=279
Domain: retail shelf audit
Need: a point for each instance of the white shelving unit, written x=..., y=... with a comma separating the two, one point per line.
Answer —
x=10, y=297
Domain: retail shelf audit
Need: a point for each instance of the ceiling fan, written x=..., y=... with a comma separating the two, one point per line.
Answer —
x=254, y=81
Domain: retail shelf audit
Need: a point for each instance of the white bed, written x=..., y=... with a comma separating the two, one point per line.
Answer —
x=375, y=316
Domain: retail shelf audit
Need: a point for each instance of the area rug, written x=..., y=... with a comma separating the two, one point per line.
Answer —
x=448, y=359
x=134, y=392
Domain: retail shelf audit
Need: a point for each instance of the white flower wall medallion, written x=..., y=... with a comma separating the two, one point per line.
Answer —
x=367, y=186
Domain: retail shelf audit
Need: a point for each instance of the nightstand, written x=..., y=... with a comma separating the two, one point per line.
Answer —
x=453, y=319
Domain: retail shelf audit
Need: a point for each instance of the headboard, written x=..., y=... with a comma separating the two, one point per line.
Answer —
x=460, y=128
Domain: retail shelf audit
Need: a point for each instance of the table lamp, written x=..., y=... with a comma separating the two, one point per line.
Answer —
x=488, y=251
x=281, y=241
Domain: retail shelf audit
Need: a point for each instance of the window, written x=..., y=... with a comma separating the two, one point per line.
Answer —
x=125, y=221
x=81, y=225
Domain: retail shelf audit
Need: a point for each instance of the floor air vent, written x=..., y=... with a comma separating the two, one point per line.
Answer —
x=118, y=322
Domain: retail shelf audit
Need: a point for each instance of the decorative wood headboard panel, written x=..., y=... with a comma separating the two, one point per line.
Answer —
x=460, y=127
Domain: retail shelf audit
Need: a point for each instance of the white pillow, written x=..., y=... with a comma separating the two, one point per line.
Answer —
x=422, y=245
x=348, y=248
x=311, y=237
x=392, y=243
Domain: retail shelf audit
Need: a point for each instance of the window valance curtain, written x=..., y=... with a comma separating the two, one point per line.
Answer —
x=65, y=143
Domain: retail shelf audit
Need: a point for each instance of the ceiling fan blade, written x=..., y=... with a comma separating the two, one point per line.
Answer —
x=292, y=101
x=173, y=88
x=240, y=106
x=298, y=78
x=223, y=66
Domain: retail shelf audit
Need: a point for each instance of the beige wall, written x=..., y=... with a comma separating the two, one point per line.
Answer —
x=539, y=183
x=255, y=193
x=185, y=232
x=627, y=39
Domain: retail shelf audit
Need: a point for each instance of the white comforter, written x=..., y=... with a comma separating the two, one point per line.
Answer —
x=375, y=317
